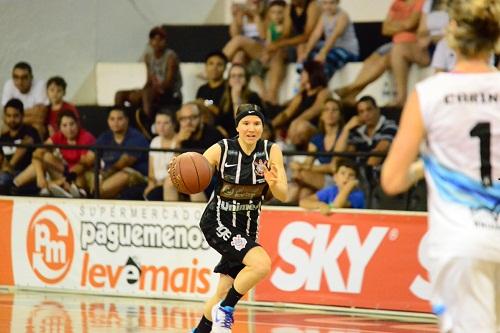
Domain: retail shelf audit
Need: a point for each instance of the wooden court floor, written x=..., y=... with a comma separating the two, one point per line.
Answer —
x=44, y=312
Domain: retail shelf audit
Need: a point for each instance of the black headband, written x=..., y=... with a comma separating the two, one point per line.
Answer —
x=248, y=110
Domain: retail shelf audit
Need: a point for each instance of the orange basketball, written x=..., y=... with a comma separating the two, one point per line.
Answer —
x=190, y=173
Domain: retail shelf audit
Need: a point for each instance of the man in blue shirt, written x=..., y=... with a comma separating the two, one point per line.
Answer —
x=344, y=194
x=122, y=169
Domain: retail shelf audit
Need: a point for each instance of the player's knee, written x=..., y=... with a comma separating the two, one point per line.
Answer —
x=263, y=266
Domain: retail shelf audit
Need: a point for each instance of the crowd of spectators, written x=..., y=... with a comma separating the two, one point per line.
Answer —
x=317, y=35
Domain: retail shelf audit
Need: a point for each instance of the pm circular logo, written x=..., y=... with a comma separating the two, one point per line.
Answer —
x=50, y=244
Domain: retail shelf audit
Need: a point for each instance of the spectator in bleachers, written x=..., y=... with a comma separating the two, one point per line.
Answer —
x=60, y=165
x=402, y=23
x=300, y=19
x=246, y=30
x=315, y=172
x=32, y=94
x=237, y=92
x=270, y=30
x=211, y=92
x=56, y=89
x=122, y=169
x=308, y=103
x=298, y=138
x=193, y=135
x=163, y=84
x=343, y=194
x=333, y=41
x=368, y=132
x=373, y=67
x=158, y=161
x=14, y=160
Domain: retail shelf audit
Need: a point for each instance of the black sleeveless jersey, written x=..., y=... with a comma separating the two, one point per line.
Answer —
x=241, y=186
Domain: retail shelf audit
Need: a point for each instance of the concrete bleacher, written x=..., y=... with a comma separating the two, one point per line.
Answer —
x=111, y=77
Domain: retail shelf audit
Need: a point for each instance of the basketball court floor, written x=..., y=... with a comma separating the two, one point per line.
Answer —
x=44, y=312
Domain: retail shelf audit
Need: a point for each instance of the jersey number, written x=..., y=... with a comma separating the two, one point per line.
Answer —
x=482, y=131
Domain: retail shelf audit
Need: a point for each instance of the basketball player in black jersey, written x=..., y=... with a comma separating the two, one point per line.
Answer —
x=247, y=167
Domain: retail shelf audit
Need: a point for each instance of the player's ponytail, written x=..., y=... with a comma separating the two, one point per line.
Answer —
x=475, y=26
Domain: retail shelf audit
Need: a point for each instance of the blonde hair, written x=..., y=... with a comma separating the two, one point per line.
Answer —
x=477, y=28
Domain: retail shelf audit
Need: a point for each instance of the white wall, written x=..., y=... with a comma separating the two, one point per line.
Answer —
x=69, y=37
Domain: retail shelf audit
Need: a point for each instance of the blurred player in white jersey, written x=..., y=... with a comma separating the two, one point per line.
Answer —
x=457, y=117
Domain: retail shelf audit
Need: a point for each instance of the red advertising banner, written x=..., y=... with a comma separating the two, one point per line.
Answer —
x=366, y=260
x=6, y=275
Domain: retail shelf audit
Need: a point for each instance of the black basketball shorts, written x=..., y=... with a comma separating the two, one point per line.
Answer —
x=232, y=243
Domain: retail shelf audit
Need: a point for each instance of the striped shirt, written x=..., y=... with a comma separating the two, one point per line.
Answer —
x=385, y=130
x=241, y=186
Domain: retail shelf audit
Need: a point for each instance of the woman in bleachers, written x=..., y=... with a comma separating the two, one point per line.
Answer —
x=333, y=41
x=237, y=92
x=250, y=50
x=158, y=161
x=61, y=165
x=315, y=172
x=401, y=23
x=308, y=103
x=247, y=30
x=300, y=19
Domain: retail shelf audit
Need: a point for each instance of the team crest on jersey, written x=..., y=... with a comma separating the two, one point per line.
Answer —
x=239, y=242
x=260, y=167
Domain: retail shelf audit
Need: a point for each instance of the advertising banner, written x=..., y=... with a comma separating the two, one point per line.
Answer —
x=346, y=259
x=110, y=247
x=6, y=276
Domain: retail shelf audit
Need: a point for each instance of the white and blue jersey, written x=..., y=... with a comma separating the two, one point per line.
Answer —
x=461, y=114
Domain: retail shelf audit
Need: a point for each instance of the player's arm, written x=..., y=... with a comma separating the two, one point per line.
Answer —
x=212, y=155
x=276, y=176
x=400, y=171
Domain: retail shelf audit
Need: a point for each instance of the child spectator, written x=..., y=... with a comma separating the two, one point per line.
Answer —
x=158, y=161
x=339, y=45
x=56, y=89
x=61, y=165
x=344, y=194
x=14, y=160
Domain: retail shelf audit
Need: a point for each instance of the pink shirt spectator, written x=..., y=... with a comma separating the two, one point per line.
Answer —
x=52, y=114
x=72, y=156
x=401, y=10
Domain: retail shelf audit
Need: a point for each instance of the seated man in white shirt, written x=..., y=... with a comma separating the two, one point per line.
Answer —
x=31, y=92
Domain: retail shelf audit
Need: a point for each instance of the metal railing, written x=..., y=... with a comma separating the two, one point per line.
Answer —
x=99, y=151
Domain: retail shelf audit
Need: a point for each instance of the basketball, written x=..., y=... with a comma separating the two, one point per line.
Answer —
x=190, y=173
